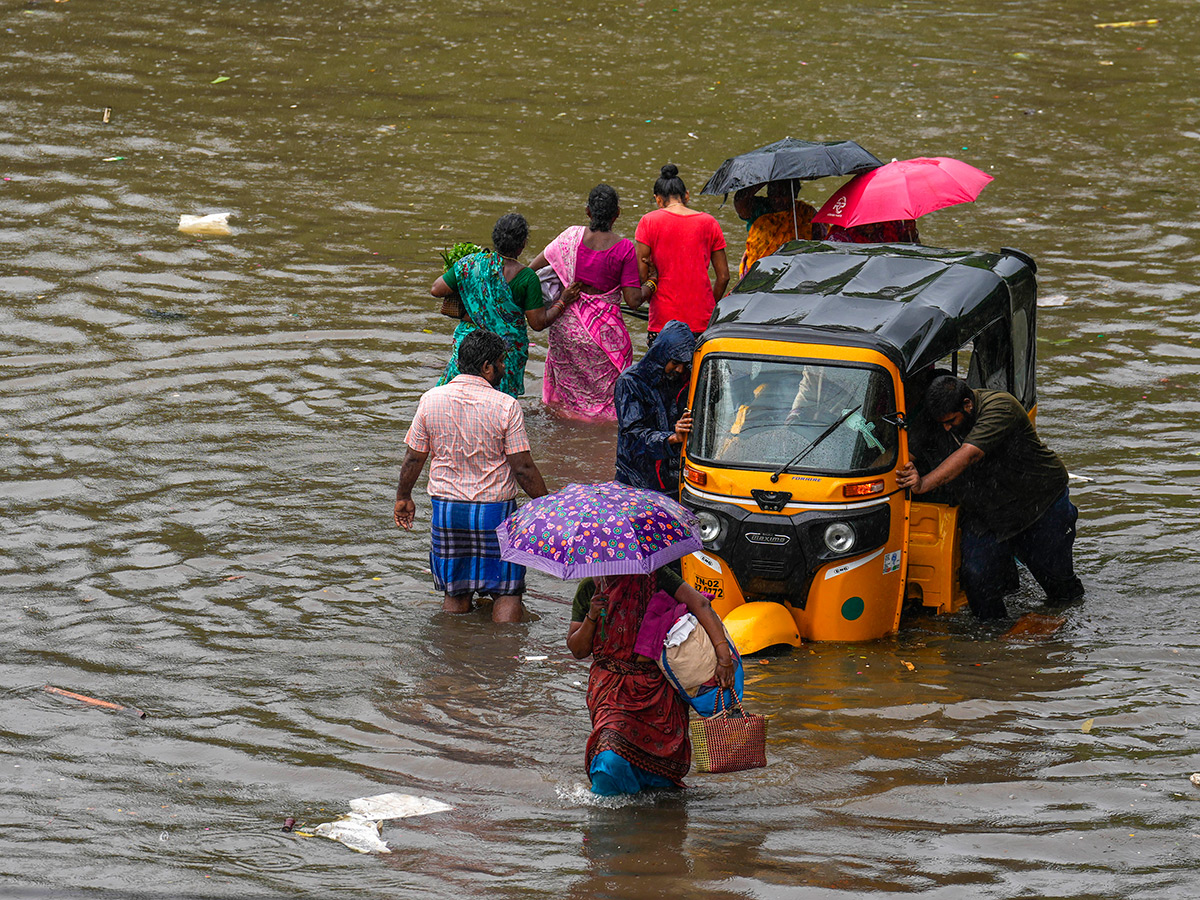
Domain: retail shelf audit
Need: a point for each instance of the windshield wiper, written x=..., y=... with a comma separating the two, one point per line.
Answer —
x=813, y=446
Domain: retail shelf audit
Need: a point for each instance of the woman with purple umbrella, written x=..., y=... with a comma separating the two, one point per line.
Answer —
x=617, y=538
x=639, y=734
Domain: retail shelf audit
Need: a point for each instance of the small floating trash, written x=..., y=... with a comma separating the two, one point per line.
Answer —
x=356, y=833
x=93, y=701
x=1034, y=625
x=396, y=806
x=213, y=223
x=360, y=829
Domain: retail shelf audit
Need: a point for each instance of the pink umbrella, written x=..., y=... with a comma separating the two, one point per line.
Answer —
x=904, y=189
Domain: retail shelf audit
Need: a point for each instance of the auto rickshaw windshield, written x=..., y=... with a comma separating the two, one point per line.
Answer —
x=760, y=413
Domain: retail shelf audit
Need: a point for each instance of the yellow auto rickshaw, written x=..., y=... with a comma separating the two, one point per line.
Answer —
x=806, y=393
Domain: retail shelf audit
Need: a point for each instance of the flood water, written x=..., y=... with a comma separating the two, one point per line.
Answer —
x=201, y=437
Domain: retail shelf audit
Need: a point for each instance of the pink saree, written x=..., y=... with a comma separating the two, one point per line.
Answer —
x=589, y=345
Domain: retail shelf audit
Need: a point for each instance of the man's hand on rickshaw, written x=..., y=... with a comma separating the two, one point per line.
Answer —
x=908, y=477
x=682, y=428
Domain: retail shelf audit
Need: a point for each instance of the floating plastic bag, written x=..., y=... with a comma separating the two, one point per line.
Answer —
x=214, y=223
x=355, y=832
x=360, y=829
x=396, y=806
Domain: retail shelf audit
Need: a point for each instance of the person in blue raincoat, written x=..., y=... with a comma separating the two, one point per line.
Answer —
x=652, y=418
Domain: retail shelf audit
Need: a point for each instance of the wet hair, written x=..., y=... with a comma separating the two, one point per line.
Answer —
x=945, y=396
x=602, y=202
x=480, y=348
x=669, y=183
x=510, y=234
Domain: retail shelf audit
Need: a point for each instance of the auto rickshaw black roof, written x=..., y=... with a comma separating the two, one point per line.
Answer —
x=915, y=304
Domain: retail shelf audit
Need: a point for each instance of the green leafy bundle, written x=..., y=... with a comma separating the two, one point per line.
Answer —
x=457, y=252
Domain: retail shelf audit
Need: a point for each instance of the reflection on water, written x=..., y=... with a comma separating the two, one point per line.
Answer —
x=202, y=434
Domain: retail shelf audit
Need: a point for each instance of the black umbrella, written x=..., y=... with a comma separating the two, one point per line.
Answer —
x=790, y=158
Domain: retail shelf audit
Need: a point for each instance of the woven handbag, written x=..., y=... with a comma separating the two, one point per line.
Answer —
x=733, y=740
x=452, y=306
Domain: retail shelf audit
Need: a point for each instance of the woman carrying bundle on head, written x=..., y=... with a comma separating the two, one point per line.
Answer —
x=589, y=346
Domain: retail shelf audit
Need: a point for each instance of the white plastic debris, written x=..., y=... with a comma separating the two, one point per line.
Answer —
x=360, y=829
x=214, y=223
x=355, y=832
x=1195, y=779
x=396, y=806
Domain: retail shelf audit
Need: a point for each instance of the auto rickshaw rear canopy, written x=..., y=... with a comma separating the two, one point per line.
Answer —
x=915, y=304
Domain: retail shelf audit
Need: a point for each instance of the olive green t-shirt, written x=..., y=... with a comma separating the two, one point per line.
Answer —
x=1019, y=477
x=665, y=580
x=525, y=287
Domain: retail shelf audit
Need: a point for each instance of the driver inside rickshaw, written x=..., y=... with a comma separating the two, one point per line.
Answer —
x=778, y=398
x=823, y=394
x=762, y=402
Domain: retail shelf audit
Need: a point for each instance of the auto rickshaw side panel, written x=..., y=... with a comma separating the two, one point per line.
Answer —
x=934, y=557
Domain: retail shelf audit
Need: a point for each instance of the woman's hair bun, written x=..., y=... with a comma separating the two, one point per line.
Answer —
x=670, y=170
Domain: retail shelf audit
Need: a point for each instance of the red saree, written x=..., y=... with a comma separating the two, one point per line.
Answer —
x=635, y=711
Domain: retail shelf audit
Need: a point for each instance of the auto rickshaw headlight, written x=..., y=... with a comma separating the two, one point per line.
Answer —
x=710, y=526
x=839, y=537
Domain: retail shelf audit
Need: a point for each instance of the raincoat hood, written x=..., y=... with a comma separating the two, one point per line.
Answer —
x=675, y=343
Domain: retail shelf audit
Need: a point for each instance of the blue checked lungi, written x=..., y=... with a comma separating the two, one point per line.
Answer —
x=465, y=552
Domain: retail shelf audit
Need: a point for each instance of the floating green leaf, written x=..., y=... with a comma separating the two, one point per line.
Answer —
x=219, y=79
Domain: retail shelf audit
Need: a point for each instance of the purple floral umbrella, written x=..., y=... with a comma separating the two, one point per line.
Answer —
x=586, y=530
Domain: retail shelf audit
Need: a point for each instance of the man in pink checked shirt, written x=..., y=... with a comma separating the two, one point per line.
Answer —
x=476, y=436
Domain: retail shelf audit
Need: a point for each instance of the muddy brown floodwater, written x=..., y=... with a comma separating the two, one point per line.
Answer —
x=201, y=437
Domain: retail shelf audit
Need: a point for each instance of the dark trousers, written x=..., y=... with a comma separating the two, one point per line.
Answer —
x=1045, y=549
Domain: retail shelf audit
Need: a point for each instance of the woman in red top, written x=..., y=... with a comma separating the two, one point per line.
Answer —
x=681, y=244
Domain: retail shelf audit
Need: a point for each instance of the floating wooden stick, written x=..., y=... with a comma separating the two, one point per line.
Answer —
x=83, y=698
